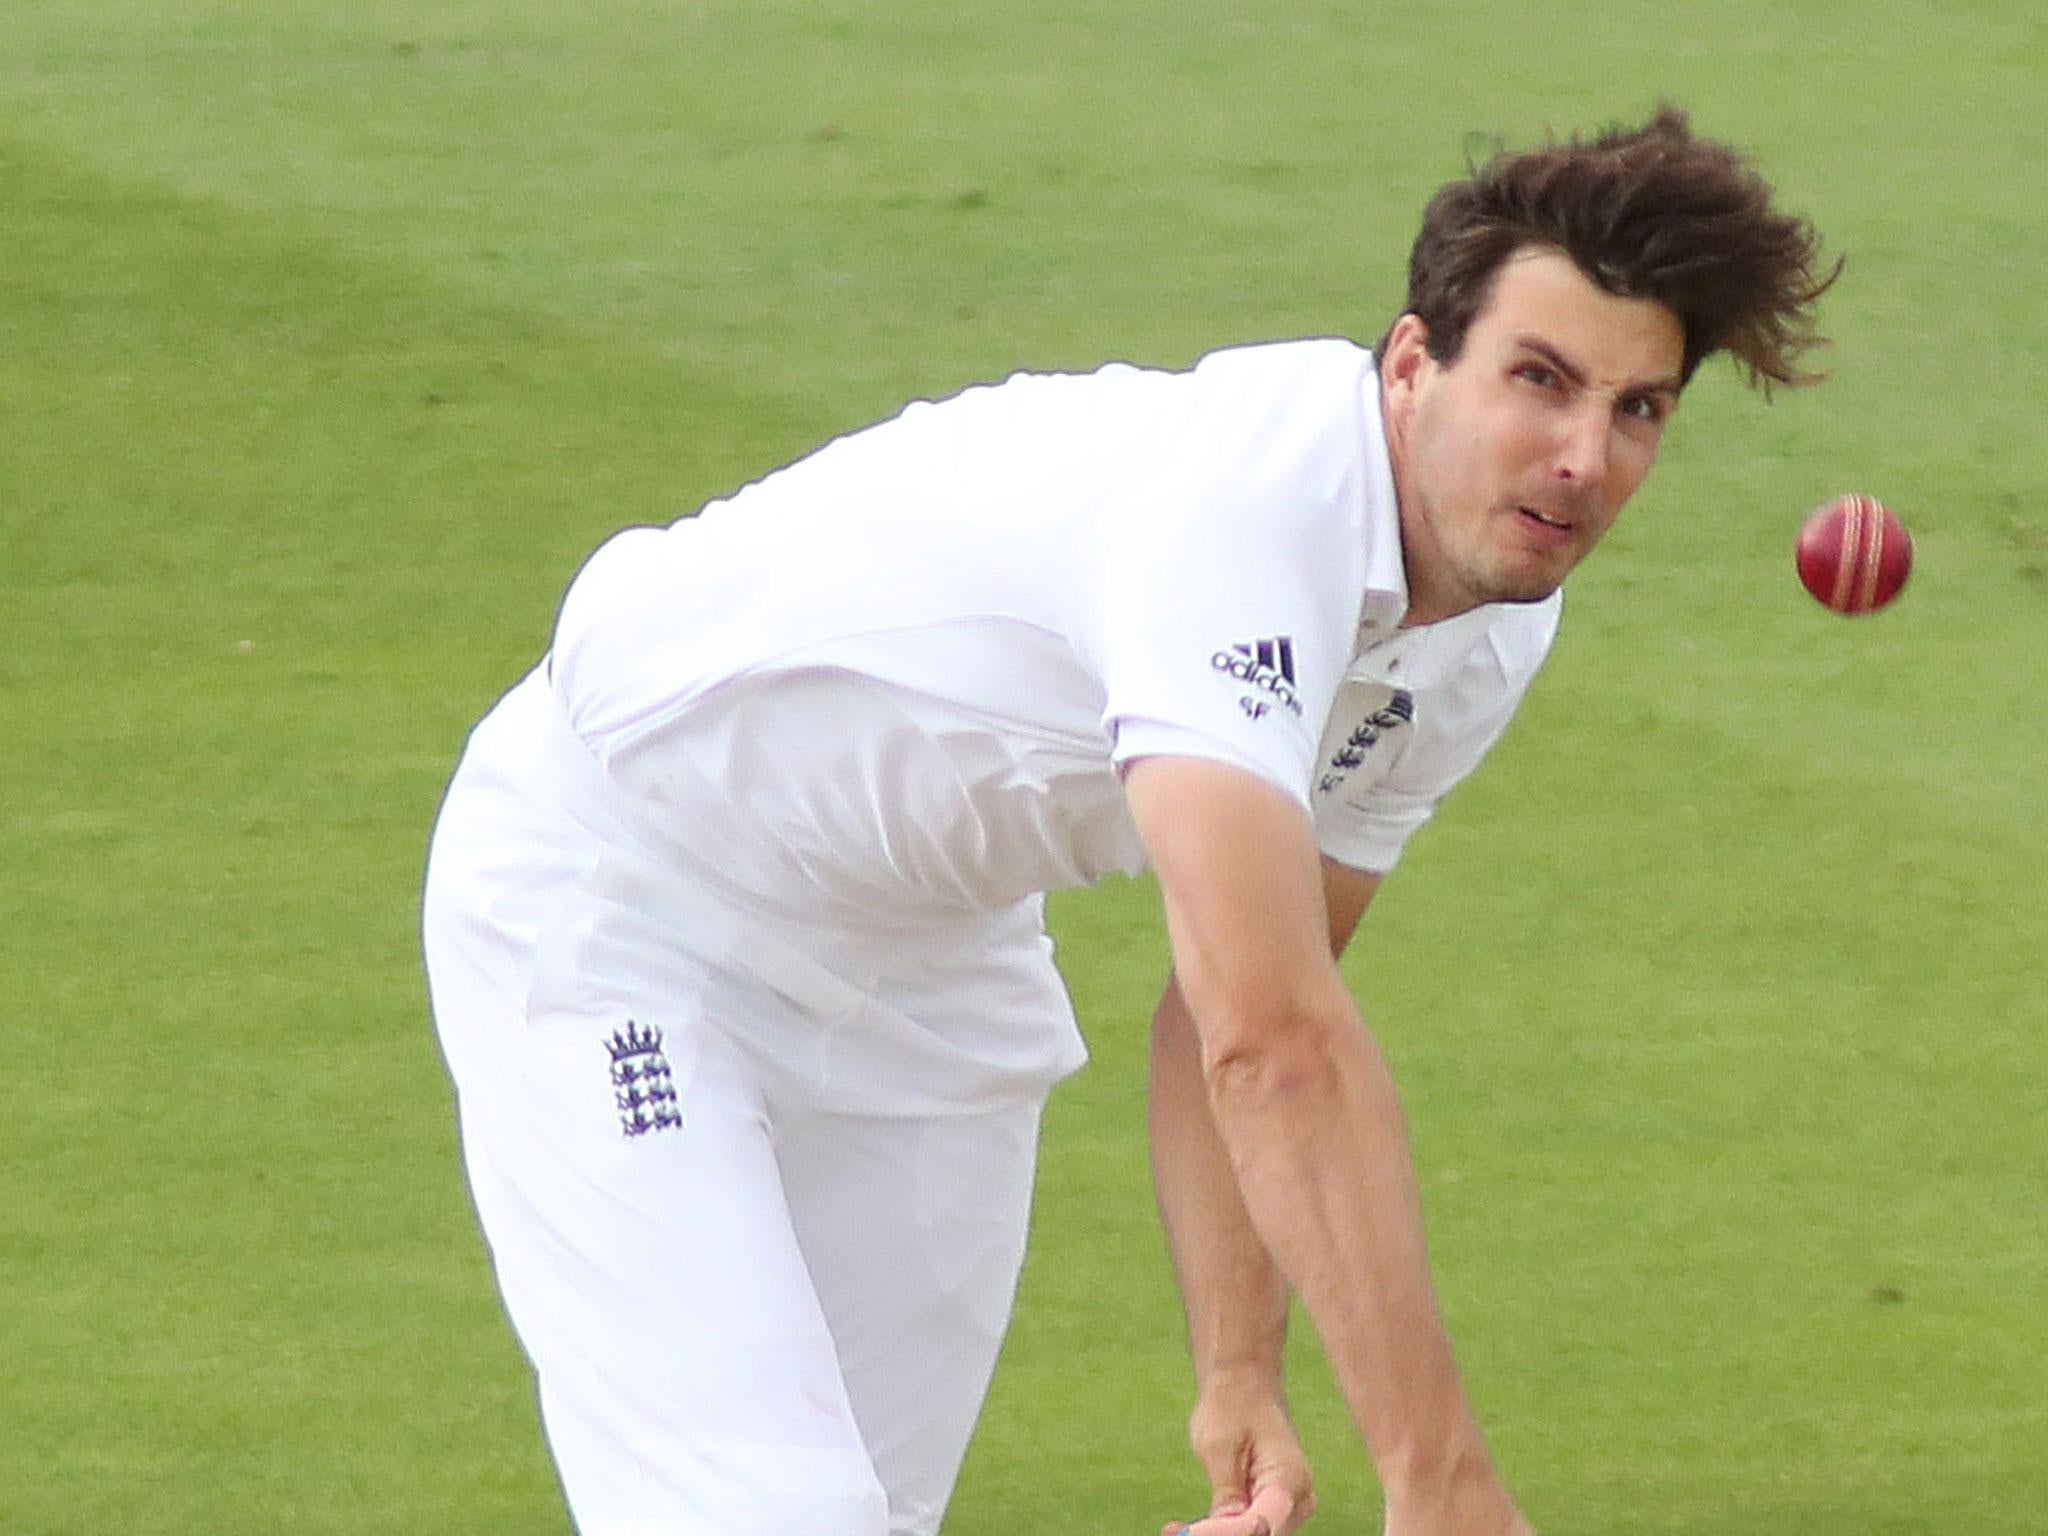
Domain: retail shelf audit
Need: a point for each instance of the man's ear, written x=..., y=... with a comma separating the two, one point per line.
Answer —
x=1406, y=351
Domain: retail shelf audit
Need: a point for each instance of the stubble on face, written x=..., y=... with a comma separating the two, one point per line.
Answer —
x=1514, y=458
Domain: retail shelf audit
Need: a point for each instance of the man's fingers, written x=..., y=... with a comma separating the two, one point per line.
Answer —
x=1258, y=1478
x=1273, y=1512
x=1278, y=1510
x=1227, y=1462
x=1243, y=1523
x=1222, y=1520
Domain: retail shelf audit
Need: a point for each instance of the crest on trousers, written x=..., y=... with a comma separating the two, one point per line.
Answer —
x=642, y=1085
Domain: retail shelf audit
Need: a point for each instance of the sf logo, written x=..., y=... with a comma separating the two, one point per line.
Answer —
x=1254, y=709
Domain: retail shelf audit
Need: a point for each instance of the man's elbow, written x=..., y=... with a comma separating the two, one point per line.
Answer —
x=1266, y=1057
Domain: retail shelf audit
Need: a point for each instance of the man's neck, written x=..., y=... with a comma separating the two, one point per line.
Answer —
x=1427, y=603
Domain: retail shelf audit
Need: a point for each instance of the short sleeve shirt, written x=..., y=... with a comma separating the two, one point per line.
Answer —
x=908, y=669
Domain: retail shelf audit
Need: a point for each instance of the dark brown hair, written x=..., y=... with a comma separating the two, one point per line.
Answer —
x=1653, y=212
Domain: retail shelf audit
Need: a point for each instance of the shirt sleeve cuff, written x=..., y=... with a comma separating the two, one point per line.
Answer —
x=1136, y=738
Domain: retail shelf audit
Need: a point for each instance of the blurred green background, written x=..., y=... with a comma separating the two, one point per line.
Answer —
x=332, y=338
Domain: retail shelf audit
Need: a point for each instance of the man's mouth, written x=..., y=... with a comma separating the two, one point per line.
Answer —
x=1548, y=520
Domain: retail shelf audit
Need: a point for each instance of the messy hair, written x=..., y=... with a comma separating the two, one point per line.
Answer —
x=1654, y=213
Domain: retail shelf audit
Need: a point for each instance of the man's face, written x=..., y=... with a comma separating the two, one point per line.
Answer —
x=1514, y=459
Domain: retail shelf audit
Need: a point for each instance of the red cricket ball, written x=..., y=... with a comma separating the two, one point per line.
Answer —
x=1854, y=554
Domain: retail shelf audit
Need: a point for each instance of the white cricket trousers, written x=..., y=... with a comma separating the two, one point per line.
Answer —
x=744, y=1316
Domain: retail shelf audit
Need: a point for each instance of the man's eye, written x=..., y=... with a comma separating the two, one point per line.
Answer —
x=1643, y=408
x=1536, y=373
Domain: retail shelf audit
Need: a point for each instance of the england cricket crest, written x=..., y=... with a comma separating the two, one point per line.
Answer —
x=642, y=1085
x=1351, y=751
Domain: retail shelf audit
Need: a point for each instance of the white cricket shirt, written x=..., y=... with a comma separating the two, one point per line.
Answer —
x=906, y=668
x=822, y=747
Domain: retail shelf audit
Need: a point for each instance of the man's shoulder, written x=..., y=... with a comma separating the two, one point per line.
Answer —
x=1319, y=376
x=1287, y=421
x=1305, y=358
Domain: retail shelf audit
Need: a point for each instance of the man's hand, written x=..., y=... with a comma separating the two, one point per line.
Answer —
x=1258, y=1478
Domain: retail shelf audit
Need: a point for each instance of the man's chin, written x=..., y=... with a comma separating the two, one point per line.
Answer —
x=1533, y=593
x=1509, y=582
x=1520, y=587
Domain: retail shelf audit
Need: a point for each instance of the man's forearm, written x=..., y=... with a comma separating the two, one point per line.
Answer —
x=1233, y=1293
x=1318, y=1143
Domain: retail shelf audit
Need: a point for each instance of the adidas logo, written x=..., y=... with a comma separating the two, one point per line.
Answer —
x=1266, y=665
x=1277, y=654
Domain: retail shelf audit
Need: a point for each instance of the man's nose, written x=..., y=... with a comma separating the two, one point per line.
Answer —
x=1583, y=444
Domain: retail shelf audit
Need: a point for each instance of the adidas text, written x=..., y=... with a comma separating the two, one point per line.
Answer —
x=1267, y=679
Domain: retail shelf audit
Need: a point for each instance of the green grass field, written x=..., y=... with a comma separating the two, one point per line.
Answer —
x=332, y=337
